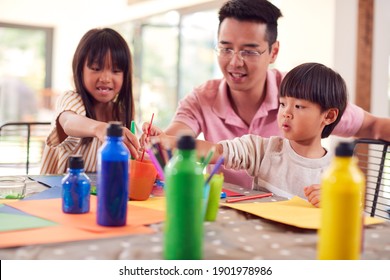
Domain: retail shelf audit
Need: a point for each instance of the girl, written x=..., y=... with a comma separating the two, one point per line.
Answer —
x=102, y=73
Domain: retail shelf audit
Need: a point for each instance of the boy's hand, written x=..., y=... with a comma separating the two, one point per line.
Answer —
x=313, y=194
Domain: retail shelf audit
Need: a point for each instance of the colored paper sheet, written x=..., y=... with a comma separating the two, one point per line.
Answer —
x=53, y=192
x=156, y=203
x=5, y=209
x=295, y=212
x=19, y=222
x=63, y=234
x=51, y=209
x=7, y=200
x=230, y=193
x=48, y=180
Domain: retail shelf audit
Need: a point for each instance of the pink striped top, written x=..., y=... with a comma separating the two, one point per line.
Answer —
x=56, y=153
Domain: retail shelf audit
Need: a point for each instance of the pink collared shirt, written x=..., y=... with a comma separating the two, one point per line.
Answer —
x=208, y=109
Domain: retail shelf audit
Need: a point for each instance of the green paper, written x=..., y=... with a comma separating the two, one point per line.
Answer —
x=19, y=222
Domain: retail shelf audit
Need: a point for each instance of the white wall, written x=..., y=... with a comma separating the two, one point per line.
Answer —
x=306, y=32
x=344, y=44
x=381, y=59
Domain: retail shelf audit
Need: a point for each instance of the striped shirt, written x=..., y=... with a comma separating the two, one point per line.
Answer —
x=56, y=153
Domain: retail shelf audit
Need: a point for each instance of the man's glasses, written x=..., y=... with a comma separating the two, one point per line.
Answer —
x=246, y=55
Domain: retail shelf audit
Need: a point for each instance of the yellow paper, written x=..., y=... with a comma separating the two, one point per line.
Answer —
x=295, y=212
x=155, y=203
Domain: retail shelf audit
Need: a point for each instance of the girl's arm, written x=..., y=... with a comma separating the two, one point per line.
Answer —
x=72, y=124
x=75, y=125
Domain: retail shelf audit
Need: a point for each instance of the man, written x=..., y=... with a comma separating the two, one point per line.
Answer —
x=246, y=101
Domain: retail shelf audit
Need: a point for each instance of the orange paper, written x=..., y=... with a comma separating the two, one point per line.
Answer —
x=51, y=209
x=62, y=234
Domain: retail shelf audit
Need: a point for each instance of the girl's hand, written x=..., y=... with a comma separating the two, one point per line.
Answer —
x=101, y=131
x=131, y=142
x=313, y=194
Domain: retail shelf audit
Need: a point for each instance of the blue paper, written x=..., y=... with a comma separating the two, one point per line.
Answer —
x=48, y=180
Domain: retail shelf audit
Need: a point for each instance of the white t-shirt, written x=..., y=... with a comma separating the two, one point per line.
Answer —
x=273, y=164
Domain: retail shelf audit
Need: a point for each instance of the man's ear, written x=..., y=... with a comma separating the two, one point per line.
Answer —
x=274, y=52
x=331, y=116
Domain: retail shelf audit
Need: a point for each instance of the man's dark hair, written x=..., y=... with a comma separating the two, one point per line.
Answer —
x=259, y=11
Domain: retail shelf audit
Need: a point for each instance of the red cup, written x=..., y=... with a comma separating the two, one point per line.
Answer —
x=142, y=175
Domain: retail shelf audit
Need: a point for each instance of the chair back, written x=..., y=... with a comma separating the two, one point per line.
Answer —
x=21, y=146
x=374, y=161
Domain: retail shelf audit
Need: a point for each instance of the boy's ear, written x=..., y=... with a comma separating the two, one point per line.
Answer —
x=331, y=115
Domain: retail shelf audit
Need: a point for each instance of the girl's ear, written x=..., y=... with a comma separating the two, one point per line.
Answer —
x=331, y=116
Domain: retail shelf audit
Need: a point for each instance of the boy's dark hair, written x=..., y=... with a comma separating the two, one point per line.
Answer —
x=259, y=11
x=93, y=47
x=318, y=84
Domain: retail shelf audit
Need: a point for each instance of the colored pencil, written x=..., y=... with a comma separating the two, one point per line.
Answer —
x=132, y=129
x=215, y=169
x=208, y=157
x=156, y=164
x=249, y=197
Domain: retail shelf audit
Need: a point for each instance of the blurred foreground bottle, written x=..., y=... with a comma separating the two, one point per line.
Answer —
x=184, y=184
x=112, y=183
x=342, y=193
x=76, y=187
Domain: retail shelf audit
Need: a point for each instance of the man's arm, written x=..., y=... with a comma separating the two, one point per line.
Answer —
x=175, y=128
x=374, y=127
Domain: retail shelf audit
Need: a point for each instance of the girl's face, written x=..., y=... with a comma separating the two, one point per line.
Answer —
x=301, y=120
x=102, y=83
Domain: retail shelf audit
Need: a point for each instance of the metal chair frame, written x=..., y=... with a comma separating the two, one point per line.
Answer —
x=28, y=126
x=374, y=161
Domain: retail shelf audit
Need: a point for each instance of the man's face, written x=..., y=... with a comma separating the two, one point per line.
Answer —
x=246, y=73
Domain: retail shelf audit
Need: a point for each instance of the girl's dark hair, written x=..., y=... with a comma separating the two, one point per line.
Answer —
x=260, y=11
x=93, y=47
x=318, y=84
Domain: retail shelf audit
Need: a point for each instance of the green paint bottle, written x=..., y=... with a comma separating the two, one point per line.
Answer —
x=184, y=183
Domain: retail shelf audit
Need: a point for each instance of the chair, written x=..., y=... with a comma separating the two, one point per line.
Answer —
x=374, y=161
x=21, y=146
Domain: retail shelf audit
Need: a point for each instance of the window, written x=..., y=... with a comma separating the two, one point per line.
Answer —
x=173, y=53
x=25, y=72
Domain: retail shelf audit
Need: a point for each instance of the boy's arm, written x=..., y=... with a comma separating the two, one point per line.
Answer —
x=203, y=147
x=169, y=141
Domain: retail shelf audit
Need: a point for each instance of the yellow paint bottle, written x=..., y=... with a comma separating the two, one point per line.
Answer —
x=342, y=187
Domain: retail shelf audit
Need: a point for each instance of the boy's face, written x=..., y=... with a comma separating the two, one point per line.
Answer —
x=246, y=74
x=301, y=120
x=103, y=83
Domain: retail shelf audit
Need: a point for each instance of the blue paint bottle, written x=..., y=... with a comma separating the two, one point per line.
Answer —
x=76, y=187
x=112, y=183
